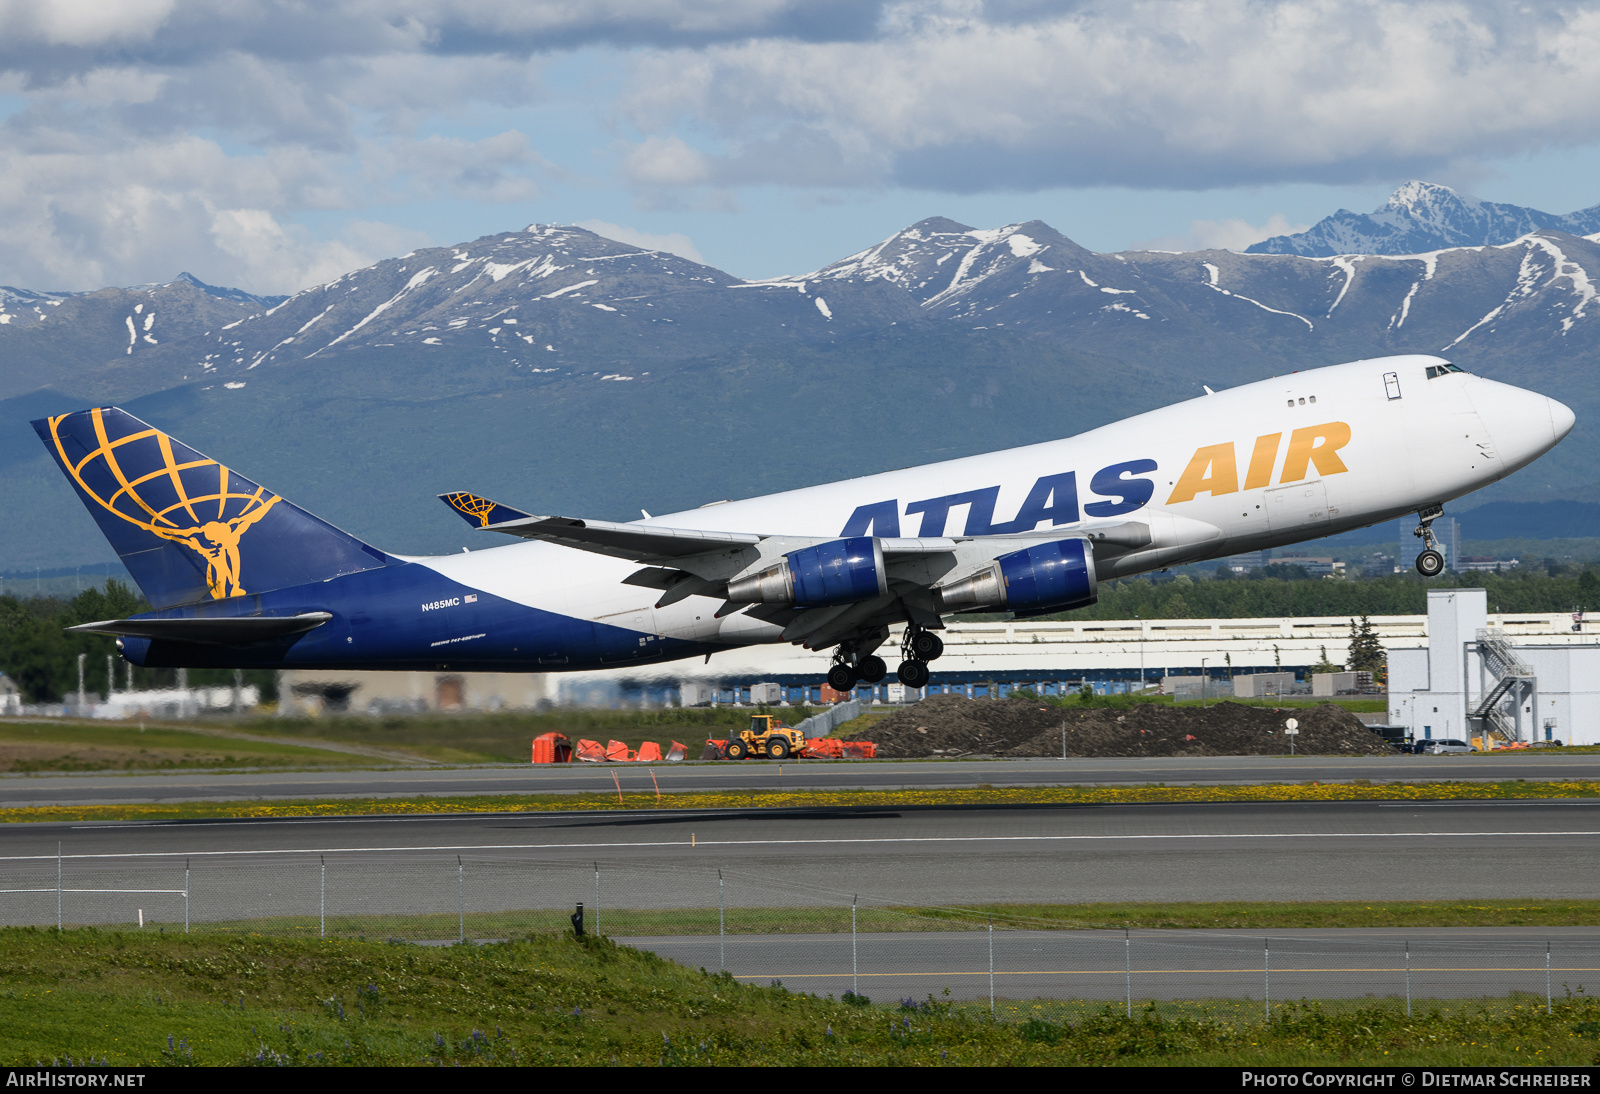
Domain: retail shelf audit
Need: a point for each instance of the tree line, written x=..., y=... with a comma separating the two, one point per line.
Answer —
x=38, y=653
x=1535, y=591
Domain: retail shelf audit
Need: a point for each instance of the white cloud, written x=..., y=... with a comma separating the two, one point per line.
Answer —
x=155, y=135
x=74, y=216
x=666, y=161
x=83, y=22
x=1222, y=235
x=1170, y=93
x=672, y=242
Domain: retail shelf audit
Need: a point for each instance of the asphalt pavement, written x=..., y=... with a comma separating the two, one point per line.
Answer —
x=788, y=879
x=111, y=788
x=1234, y=970
x=812, y=857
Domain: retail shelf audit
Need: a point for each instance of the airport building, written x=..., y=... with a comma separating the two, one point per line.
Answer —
x=1245, y=657
x=1479, y=677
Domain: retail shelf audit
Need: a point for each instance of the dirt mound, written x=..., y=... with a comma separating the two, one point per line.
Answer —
x=952, y=725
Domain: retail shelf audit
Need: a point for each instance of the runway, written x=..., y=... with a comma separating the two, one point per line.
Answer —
x=1111, y=967
x=925, y=855
x=110, y=788
x=788, y=884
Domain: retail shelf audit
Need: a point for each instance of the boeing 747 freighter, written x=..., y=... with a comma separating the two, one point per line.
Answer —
x=240, y=577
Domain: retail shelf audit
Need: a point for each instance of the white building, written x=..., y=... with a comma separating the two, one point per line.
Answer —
x=1475, y=677
x=977, y=656
x=318, y=691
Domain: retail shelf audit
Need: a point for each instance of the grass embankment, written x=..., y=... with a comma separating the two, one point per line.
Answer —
x=63, y=745
x=463, y=738
x=632, y=799
x=56, y=745
x=508, y=736
x=549, y=999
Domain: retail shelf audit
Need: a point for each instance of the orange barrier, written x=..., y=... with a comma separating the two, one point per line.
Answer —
x=714, y=750
x=616, y=750
x=822, y=748
x=551, y=748
x=590, y=752
x=859, y=750
x=676, y=752
x=648, y=751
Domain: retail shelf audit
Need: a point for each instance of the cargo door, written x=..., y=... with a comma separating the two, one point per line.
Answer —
x=1302, y=505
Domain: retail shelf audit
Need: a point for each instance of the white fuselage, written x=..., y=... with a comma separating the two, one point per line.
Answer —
x=1283, y=460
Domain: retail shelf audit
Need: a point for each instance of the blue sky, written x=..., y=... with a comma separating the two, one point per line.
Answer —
x=272, y=144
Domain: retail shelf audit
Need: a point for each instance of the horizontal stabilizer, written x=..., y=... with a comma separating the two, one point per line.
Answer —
x=481, y=512
x=241, y=631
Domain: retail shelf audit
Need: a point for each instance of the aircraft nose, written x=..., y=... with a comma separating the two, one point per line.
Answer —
x=1523, y=424
x=1561, y=419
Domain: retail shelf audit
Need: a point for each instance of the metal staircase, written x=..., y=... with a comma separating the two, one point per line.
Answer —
x=1512, y=677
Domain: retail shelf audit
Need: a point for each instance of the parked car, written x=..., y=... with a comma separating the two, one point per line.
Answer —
x=1443, y=746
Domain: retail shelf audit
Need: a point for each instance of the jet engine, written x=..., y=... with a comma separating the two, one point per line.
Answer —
x=841, y=571
x=1050, y=577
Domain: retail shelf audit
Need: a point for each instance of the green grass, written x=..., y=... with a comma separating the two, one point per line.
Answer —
x=549, y=999
x=468, y=737
x=835, y=919
x=507, y=736
x=57, y=745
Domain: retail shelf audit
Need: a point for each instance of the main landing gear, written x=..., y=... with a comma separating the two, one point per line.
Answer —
x=845, y=675
x=918, y=647
x=1430, y=563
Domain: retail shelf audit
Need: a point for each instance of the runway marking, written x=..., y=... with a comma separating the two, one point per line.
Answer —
x=790, y=843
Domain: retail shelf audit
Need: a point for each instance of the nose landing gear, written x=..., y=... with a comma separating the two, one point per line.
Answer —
x=1430, y=563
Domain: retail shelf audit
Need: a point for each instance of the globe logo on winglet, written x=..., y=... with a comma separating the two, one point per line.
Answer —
x=192, y=503
x=472, y=506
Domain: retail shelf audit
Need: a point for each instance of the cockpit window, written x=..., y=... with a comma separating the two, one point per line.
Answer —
x=1441, y=370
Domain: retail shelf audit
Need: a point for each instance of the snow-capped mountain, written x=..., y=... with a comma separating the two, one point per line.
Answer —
x=1421, y=217
x=546, y=299
x=571, y=373
x=21, y=307
x=49, y=338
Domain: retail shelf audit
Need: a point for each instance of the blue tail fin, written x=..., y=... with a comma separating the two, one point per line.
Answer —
x=188, y=528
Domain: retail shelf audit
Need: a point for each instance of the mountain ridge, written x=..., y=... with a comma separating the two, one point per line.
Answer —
x=566, y=372
x=1421, y=217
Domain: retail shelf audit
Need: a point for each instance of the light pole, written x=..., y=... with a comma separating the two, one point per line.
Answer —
x=1141, y=652
x=1203, y=661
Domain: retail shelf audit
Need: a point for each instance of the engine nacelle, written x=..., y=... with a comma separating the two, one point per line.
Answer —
x=1050, y=577
x=839, y=572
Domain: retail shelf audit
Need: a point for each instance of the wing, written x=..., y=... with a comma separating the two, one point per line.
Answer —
x=640, y=542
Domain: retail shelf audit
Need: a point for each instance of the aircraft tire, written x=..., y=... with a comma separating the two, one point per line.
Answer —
x=873, y=669
x=842, y=678
x=913, y=674
x=927, y=645
x=1430, y=563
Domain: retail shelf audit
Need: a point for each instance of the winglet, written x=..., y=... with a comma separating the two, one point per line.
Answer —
x=481, y=512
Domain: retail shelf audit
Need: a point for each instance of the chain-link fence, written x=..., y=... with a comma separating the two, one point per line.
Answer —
x=762, y=929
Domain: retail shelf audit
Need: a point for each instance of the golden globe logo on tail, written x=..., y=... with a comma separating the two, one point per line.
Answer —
x=187, y=521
